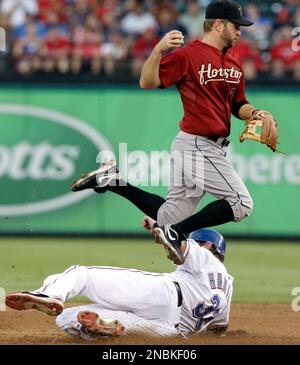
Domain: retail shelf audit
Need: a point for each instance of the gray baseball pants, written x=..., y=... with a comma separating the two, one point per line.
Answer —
x=199, y=166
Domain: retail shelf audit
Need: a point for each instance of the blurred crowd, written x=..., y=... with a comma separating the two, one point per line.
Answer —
x=112, y=37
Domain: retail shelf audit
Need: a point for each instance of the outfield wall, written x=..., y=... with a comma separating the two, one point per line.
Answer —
x=49, y=136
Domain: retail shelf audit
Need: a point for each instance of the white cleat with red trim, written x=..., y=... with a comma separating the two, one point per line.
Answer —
x=26, y=300
x=98, y=326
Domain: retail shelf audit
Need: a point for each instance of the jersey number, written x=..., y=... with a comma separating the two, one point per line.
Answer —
x=206, y=314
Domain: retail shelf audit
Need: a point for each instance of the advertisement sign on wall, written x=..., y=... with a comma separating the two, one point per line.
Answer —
x=49, y=137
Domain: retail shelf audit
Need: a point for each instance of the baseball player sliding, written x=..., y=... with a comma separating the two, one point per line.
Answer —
x=195, y=297
x=209, y=77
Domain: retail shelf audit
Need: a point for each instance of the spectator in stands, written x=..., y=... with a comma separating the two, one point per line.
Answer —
x=103, y=7
x=56, y=52
x=52, y=20
x=296, y=17
x=79, y=12
x=115, y=35
x=193, y=20
x=251, y=58
x=261, y=29
x=86, y=46
x=27, y=51
x=109, y=23
x=167, y=20
x=16, y=10
x=114, y=52
x=291, y=2
x=21, y=31
x=159, y=5
x=138, y=20
x=282, y=17
x=141, y=49
x=57, y=6
x=284, y=59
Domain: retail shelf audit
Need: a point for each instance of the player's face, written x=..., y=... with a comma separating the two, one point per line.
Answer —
x=231, y=33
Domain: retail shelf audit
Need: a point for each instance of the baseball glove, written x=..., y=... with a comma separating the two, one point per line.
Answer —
x=268, y=135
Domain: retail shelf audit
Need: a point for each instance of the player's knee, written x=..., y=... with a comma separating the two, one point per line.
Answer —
x=170, y=213
x=164, y=215
x=83, y=271
x=50, y=279
x=70, y=268
x=241, y=207
x=77, y=268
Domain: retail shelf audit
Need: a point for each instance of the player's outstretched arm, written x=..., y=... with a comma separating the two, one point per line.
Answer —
x=150, y=71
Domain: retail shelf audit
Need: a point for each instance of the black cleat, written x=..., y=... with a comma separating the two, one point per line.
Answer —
x=98, y=179
x=170, y=238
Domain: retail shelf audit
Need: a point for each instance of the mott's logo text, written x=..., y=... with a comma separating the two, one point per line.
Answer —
x=42, y=161
x=41, y=151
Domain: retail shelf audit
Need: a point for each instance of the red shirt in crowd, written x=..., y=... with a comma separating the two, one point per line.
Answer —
x=56, y=46
x=52, y=5
x=208, y=82
x=101, y=8
x=142, y=47
x=283, y=51
x=246, y=53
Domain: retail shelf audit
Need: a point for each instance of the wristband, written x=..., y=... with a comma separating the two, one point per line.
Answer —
x=255, y=111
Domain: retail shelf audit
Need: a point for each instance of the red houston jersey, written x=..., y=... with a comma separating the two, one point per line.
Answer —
x=208, y=82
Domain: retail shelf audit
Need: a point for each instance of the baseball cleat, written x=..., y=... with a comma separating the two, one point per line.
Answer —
x=98, y=326
x=170, y=239
x=26, y=300
x=97, y=179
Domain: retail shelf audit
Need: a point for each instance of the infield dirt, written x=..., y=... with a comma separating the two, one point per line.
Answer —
x=255, y=324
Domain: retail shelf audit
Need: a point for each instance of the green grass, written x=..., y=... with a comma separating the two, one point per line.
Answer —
x=264, y=272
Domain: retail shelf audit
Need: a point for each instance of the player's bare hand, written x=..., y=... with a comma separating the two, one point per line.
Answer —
x=148, y=223
x=172, y=39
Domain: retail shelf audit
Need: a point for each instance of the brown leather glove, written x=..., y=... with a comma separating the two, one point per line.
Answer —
x=268, y=135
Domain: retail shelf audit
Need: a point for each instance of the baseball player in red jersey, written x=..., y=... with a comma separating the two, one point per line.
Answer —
x=209, y=77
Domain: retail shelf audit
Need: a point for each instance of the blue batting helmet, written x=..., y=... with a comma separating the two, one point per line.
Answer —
x=206, y=234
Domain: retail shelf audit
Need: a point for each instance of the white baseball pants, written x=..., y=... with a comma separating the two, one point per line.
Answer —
x=139, y=300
